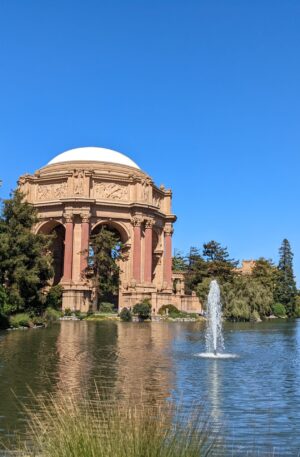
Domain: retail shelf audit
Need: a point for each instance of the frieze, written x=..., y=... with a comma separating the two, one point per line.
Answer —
x=52, y=191
x=110, y=191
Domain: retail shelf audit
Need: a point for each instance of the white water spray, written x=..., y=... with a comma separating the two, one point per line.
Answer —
x=214, y=331
x=214, y=334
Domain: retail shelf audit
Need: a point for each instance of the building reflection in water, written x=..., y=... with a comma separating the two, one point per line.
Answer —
x=124, y=360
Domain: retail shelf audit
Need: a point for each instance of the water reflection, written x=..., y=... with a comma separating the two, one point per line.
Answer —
x=256, y=396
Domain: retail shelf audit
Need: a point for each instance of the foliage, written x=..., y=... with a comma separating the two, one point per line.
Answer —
x=286, y=290
x=255, y=317
x=52, y=314
x=279, y=310
x=143, y=310
x=297, y=306
x=171, y=309
x=125, y=315
x=25, y=261
x=103, y=260
x=179, y=262
x=20, y=320
x=4, y=322
x=54, y=297
x=106, y=307
x=68, y=312
x=66, y=426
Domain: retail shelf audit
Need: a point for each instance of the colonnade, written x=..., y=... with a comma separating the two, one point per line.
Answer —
x=140, y=227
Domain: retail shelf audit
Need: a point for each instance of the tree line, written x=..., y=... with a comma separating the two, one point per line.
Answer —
x=269, y=290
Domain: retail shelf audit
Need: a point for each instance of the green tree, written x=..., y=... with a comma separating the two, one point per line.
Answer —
x=196, y=271
x=106, y=250
x=179, y=262
x=286, y=290
x=219, y=264
x=25, y=259
x=142, y=310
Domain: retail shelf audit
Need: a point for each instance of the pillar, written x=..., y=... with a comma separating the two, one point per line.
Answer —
x=148, y=251
x=168, y=231
x=85, y=241
x=68, y=257
x=136, y=268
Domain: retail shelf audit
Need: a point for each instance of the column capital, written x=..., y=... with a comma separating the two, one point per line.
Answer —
x=149, y=222
x=168, y=230
x=85, y=217
x=136, y=221
x=68, y=216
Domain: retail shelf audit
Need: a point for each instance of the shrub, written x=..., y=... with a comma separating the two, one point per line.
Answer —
x=68, y=312
x=51, y=314
x=38, y=320
x=106, y=307
x=20, y=320
x=125, y=315
x=54, y=297
x=279, y=310
x=297, y=306
x=79, y=315
x=142, y=310
x=171, y=309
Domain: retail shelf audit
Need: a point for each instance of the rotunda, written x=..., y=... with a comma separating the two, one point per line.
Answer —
x=84, y=188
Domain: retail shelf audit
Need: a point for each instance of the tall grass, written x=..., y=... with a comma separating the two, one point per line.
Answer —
x=69, y=427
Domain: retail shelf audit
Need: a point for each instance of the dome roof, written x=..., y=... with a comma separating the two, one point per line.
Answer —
x=95, y=155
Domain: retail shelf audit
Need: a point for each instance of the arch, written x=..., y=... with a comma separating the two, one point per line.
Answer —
x=116, y=226
x=57, y=230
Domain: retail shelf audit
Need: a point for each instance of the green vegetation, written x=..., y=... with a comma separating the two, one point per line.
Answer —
x=143, y=310
x=108, y=308
x=20, y=320
x=103, y=263
x=125, y=315
x=72, y=427
x=245, y=297
x=54, y=297
x=279, y=310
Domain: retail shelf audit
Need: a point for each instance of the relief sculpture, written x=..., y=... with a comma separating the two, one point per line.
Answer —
x=52, y=191
x=110, y=191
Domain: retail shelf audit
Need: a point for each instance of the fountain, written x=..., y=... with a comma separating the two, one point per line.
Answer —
x=214, y=331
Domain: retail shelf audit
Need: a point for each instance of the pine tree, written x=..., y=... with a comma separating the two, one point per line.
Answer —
x=219, y=265
x=286, y=290
x=106, y=251
x=25, y=259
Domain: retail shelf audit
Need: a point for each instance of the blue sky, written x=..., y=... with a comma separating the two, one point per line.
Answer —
x=203, y=95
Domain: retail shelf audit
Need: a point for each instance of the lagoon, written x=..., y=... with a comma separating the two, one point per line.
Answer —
x=254, y=398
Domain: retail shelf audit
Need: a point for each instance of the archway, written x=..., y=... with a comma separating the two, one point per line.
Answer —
x=57, y=230
x=107, y=242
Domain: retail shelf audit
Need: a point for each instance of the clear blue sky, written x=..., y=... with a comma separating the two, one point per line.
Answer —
x=203, y=95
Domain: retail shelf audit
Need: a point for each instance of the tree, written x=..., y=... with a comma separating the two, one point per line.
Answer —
x=219, y=265
x=25, y=259
x=286, y=290
x=196, y=271
x=125, y=315
x=179, y=262
x=106, y=250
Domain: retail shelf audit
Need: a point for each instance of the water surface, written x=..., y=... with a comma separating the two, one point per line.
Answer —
x=255, y=397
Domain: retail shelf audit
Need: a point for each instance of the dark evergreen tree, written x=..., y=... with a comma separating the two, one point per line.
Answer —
x=25, y=259
x=106, y=251
x=219, y=265
x=179, y=262
x=286, y=290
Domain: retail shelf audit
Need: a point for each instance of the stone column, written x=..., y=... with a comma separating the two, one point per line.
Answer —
x=136, y=267
x=148, y=251
x=85, y=240
x=168, y=231
x=68, y=257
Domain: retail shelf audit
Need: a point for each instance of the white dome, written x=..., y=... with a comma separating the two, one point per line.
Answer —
x=95, y=155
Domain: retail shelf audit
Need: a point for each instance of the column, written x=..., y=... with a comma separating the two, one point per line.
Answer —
x=68, y=256
x=85, y=241
x=136, y=268
x=148, y=251
x=168, y=231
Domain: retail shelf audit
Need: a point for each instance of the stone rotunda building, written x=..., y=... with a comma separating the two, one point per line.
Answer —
x=82, y=189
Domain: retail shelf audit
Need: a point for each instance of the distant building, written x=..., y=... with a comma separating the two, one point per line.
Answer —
x=246, y=268
x=83, y=189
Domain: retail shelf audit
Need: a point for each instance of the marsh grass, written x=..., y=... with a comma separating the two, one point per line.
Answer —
x=96, y=427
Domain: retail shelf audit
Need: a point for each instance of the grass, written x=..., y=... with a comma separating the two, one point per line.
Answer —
x=20, y=320
x=80, y=427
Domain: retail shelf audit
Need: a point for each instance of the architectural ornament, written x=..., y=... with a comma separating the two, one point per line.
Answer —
x=111, y=191
x=52, y=191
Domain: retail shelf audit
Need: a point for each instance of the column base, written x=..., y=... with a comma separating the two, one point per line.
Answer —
x=76, y=297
